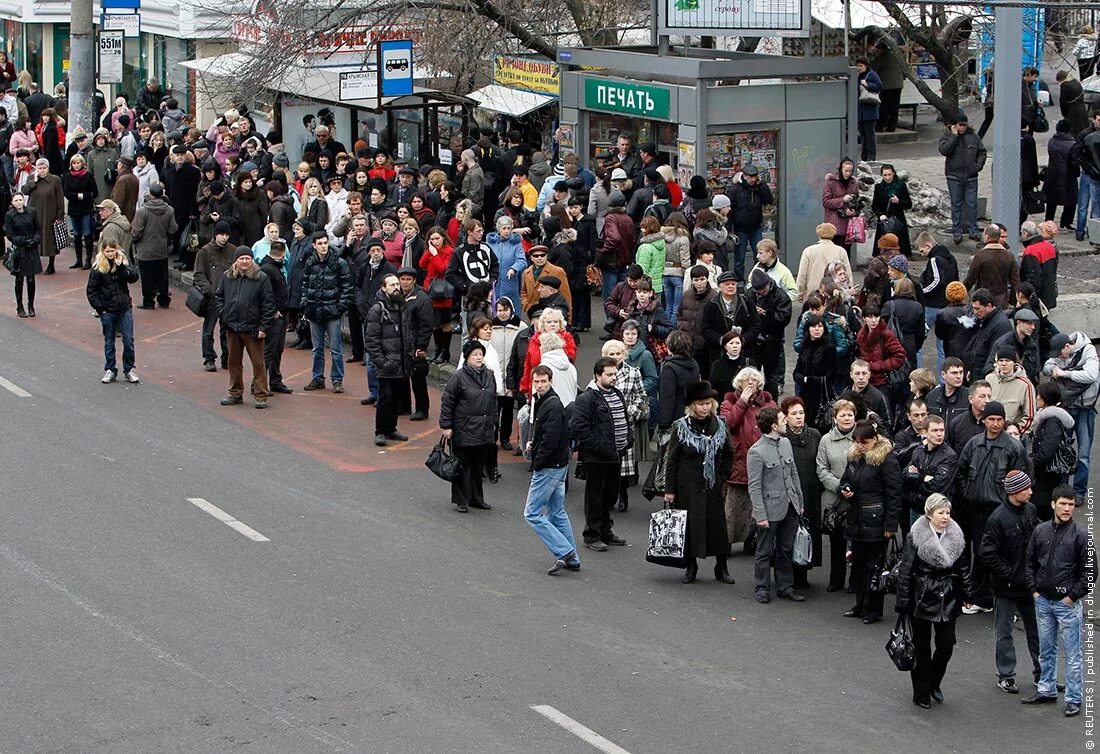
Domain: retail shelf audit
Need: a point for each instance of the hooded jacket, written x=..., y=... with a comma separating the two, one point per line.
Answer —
x=651, y=258
x=1017, y=394
x=116, y=229
x=153, y=228
x=565, y=375
x=280, y=289
x=1051, y=424
x=747, y=204
x=909, y=316
x=882, y=350
x=1027, y=353
x=1082, y=383
x=510, y=256
x=837, y=210
x=146, y=176
x=942, y=269
x=245, y=303
x=987, y=332
x=677, y=251
x=934, y=577
x=876, y=481
x=504, y=340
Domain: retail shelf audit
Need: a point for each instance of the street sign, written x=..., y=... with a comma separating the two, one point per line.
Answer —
x=120, y=4
x=130, y=23
x=395, y=66
x=627, y=97
x=358, y=85
x=110, y=56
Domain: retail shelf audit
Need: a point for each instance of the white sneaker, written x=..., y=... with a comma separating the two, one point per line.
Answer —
x=108, y=377
x=975, y=609
x=132, y=377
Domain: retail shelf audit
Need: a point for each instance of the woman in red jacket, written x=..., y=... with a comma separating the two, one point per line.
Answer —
x=551, y=321
x=878, y=346
x=841, y=201
x=434, y=263
x=739, y=411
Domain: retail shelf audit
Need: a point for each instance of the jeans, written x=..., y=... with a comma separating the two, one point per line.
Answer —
x=610, y=279
x=964, y=205
x=1088, y=202
x=1054, y=618
x=1084, y=420
x=318, y=331
x=776, y=541
x=930, y=322
x=208, y=322
x=372, y=377
x=124, y=323
x=1004, y=650
x=547, y=491
x=8, y=164
x=674, y=291
x=746, y=241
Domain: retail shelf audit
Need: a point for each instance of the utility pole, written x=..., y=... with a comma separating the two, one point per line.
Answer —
x=1008, y=75
x=82, y=57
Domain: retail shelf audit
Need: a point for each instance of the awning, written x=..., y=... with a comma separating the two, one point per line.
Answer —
x=514, y=102
x=321, y=84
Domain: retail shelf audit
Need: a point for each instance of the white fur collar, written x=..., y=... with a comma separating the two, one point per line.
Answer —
x=939, y=552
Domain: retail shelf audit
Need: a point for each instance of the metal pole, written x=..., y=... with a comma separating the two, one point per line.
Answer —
x=81, y=68
x=847, y=28
x=1008, y=72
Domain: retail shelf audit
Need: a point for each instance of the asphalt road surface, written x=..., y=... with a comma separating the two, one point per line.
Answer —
x=353, y=610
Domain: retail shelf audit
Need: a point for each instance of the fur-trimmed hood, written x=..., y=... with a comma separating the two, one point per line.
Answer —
x=1056, y=412
x=716, y=234
x=938, y=552
x=254, y=274
x=876, y=455
x=566, y=236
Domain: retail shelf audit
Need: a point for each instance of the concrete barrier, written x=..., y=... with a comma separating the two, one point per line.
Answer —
x=1078, y=312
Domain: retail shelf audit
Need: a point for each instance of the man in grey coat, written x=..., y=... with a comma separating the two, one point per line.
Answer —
x=776, y=496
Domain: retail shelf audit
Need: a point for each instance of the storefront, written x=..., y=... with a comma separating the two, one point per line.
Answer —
x=523, y=97
x=706, y=117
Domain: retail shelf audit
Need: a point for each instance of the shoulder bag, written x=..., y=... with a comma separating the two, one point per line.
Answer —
x=442, y=461
x=196, y=301
x=900, y=646
x=440, y=289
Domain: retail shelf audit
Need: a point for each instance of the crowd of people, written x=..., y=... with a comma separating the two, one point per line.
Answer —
x=870, y=446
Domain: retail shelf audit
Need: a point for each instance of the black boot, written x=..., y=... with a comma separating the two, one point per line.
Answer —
x=50, y=269
x=19, y=298
x=447, y=336
x=437, y=356
x=690, y=573
x=89, y=252
x=78, y=246
x=721, y=573
x=30, y=296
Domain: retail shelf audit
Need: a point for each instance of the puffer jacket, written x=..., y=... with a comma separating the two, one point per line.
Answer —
x=983, y=464
x=910, y=323
x=109, y=292
x=388, y=337
x=651, y=258
x=934, y=577
x=832, y=459
x=326, y=287
x=154, y=225
x=690, y=314
x=876, y=481
x=740, y=419
x=245, y=303
x=1003, y=547
x=677, y=251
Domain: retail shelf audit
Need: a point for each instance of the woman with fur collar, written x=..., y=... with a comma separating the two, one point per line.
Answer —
x=933, y=584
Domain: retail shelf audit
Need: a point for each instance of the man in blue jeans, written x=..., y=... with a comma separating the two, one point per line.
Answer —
x=748, y=198
x=549, y=453
x=965, y=157
x=326, y=295
x=1058, y=570
x=1088, y=190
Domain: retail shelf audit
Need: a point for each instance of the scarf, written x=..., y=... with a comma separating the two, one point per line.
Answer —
x=78, y=173
x=707, y=445
x=892, y=188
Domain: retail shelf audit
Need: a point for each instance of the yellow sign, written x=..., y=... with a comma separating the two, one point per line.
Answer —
x=532, y=75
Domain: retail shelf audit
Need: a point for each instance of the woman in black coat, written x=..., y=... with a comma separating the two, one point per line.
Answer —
x=79, y=187
x=933, y=584
x=254, y=210
x=1062, y=174
x=889, y=203
x=467, y=416
x=804, y=444
x=1052, y=423
x=908, y=314
x=816, y=368
x=23, y=234
x=732, y=361
x=678, y=371
x=871, y=485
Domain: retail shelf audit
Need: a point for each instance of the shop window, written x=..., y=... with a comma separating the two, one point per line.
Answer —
x=728, y=153
x=13, y=43
x=409, y=127
x=604, y=130
x=169, y=52
x=62, y=47
x=134, y=67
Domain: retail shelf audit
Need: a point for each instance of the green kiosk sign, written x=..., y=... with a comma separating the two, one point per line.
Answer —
x=627, y=98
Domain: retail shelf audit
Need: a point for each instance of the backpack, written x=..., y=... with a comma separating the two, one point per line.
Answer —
x=660, y=211
x=1065, y=457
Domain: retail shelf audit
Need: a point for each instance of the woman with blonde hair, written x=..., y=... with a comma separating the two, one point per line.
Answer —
x=314, y=206
x=1085, y=52
x=108, y=292
x=79, y=187
x=739, y=410
x=463, y=208
x=551, y=321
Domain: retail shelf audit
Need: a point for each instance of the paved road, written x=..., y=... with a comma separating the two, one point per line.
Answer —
x=376, y=619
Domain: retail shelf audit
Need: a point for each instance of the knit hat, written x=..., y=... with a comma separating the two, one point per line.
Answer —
x=994, y=408
x=1016, y=481
x=221, y=227
x=720, y=201
x=217, y=187
x=616, y=199
x=899, y=263
x=1006, y=352
x=242, y=251
x=955, y=292
x=699, y=391
x=699, y=271
x=888, y=241
x=470, y=346
x=1058, y=342
x=248, y=167
x=281, y=160
x=697, y=187
x=759, y=278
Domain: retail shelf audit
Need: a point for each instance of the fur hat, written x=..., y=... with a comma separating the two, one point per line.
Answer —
x=699, y=391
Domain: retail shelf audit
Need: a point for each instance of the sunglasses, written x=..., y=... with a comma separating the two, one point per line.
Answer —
x=538, y=256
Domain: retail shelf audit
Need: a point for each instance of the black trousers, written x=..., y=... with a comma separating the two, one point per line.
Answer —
x=505, y=404
x=601, y=489
x=582, y=307
x=982, y=592
x=355, y=324
x=890, y=103
x=419, y=384
x=931, y=667
x=385, y=414
x=838, y=565
x=866, y=559
x=468, y=487
x=986, y=122
x=1068, y=210
x=273, y=352
x=154, y=282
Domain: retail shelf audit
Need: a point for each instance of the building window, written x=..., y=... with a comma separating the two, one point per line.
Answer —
x=32, y=61
x=13, y=43
x=168, y=53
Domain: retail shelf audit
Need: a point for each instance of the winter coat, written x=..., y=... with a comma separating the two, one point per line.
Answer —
x=945, y=407
x=532, y=357
x=942, y=269
x=280, y=290
x=1039, y=266
x=529, y=294
x=652, y=319
x=1059, y=561
x=934, y=577
x=80, y=193
x=125, y=193
x=621, y=299
x=1017, y=394
x=814, y=261
x=1027, y=353
x=677, y=372
x=366, y=280
x=48, y=200
x=281, y=211
x=895, y=213
x=116, y=229
x=688, y=463
x=100, y=160
x=994, y=269
x=254, y=212
x=549, y=433
x=876, y=481
x=837, y=211
x=1062, y=170
x=146, y=176
x=565, y=375
x=153, y=228
x=909, y=316
x=724, y=244
x=1003, y=548
x=836, y=327
x=723, y=370
x=326, y=287
x=617, y=247
x=690, y=314
x=805, y=445
x=510, y=256
x=245, y=303
x=988, y=331
x=22, y=231
x=504, y=341
x=965, y=155
x=1081, y=385
x=299, y=251
x=881, y=349
x=832, y=460
x=677, y=251
x=594, y=427
x=421, y=319
x=109, y=292
x=435, y=266
x=211, y=263
x=773, y=479
x=781, y=276
x=956, y=327
x=651, y=258
x=983, y=464
x=815, y=372
x=472, y=263
x=935, y=472
x=469, y=407
x=641, y=359
x=387, y=337
x=228, y=209
x=871, y=83
x=777, y=315
x=747, y=204
x=740, y=418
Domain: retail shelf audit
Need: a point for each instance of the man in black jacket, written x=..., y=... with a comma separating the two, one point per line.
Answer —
x=326, y=295
x=389, y=342
x=602, y=433
x=949, y=399
x=1023, y=340
x=966, y=424
x=181, y=188
x=748, y=198
x=729, y=309
x=966, y=156
x=931, y=469
x=549, y=452
x=272, y=266
x=942, y=270
x=773, y=305
x=369, y=268
x=865, y=395
x=1004, y=552
x=245, y=306
x=584, y=254
x=992, y=323
x=421, y=323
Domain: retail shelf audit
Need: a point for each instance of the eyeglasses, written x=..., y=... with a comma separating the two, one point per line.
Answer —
x=538, y=256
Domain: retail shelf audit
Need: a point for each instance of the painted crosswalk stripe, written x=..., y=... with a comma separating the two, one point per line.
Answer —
x=226, y=519
x=587, y=735
x=11, y=387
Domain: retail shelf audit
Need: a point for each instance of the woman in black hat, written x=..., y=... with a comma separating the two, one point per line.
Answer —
x=699, y=460
x=468, y=418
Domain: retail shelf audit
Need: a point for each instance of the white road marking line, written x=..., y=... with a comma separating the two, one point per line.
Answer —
x=587, y=735
x=11, y=387
x=226, y=519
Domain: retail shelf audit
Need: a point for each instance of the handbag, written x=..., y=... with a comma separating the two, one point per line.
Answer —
x=834, y=519
x=1042, y=125
x=12, y=260
x=442, y=461
x=657, y=347
x=803, y=552
x=857, y=230
x=579, y=471
x=898, y=379
x=900, y=646
x=440, y=290
x=667, y=538
x=654, y=485
x=869, y=98
x=891, y=569
x=593, y=275
x=62, y=236
x=196, y=301
x=1065, y=456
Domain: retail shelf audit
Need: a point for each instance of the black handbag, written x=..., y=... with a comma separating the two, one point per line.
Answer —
x=196, y=301
x=579, y=471
x=887, y=580
x=442, y=461
x=834, y=519
x=900, y=646
x=440, y=289
x=1042, y=125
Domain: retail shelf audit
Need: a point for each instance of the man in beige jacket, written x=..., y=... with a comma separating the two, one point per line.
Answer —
x=811, y=268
